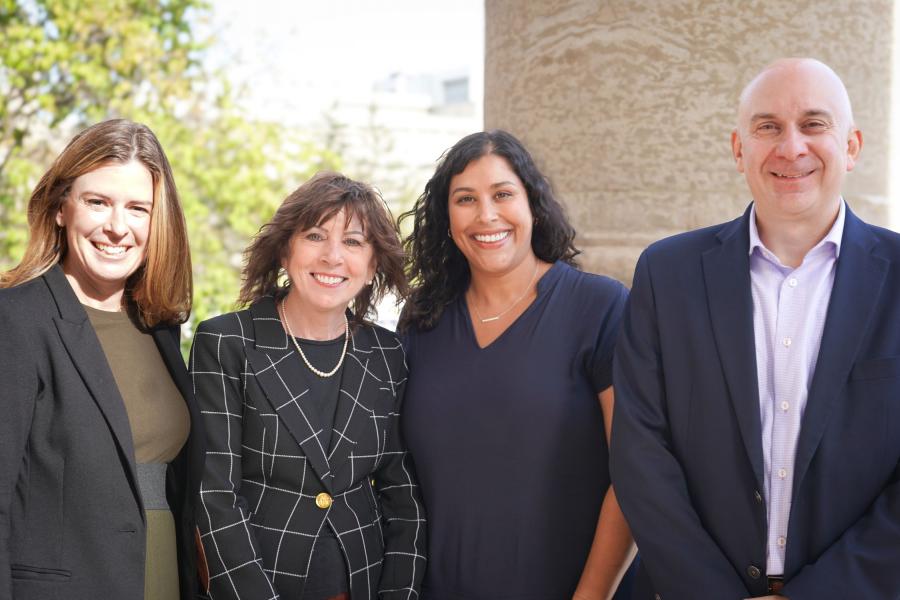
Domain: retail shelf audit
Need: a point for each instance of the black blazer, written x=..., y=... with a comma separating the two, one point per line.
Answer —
x=265, y=467
x=72, y=523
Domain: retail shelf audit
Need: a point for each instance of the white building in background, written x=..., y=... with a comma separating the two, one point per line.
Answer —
x=395, y=133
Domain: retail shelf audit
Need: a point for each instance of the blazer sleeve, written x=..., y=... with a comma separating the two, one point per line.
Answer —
x=649, y=482
x=403, y=515
x=863, y=562
x=20, y=389
x=223, y=516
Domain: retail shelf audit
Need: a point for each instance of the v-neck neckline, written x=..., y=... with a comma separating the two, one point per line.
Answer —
x=543, y=282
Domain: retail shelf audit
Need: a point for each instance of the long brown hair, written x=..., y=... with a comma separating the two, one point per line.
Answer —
x=159, y=292
x=313, y=203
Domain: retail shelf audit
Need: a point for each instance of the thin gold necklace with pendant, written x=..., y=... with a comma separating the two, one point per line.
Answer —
x=323, y=374
x=510, y=307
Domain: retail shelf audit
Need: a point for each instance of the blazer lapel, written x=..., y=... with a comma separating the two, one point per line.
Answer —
x=276, y=367
x=84, y=349
x=167, y=341
x=726, y=270
x=349, y=418
x=858, y=281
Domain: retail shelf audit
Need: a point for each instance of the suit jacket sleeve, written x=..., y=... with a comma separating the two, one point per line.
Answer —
x=403, y=516
x=650, y=485
x=235, y=561
x=18, y=372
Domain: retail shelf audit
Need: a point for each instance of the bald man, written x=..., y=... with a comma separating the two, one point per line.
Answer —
x=756, y=438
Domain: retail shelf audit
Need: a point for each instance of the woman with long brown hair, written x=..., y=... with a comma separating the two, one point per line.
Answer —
x=100, y=450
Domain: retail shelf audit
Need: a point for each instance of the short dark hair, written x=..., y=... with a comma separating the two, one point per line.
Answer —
x=310, y=205
x=436, y=267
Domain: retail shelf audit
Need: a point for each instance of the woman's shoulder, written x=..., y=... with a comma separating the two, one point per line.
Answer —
x=381, y=337
x=235, y=322
x=31, y=299
x=591, y=287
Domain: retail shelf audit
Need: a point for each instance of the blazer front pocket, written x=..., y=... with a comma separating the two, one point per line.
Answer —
x=876, y=368
x=39, y=573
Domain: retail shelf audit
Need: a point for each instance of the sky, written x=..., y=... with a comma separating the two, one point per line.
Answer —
x=309, y=51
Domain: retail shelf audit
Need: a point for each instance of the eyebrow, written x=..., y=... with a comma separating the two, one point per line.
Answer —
x=105, y=197
x=813, y=112
x=493, y=186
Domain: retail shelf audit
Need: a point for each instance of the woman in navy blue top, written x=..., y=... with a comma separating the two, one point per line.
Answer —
x=509, y=400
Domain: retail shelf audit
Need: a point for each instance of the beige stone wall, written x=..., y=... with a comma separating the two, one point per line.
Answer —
x=628, y=105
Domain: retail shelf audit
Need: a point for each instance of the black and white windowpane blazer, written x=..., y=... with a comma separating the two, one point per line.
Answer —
x=265, y=466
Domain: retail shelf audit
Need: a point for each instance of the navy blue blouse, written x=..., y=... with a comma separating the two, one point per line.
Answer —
x=508, y=440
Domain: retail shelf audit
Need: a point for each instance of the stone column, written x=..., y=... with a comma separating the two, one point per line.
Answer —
x=628, y=105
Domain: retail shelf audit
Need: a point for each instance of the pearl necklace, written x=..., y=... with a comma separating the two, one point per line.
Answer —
x=510, y=307
x=300, y=350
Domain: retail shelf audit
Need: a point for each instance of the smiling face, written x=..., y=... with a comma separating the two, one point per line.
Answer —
x=795, y=141
x=106, y=218
x=490, y=218
x=328, y=265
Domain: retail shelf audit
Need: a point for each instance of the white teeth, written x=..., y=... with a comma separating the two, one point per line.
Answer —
x=328, y=279
x=493, y=237
x=112, y=250
x=786, y=176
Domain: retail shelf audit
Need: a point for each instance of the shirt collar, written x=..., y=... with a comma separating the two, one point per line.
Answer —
x=833, y=237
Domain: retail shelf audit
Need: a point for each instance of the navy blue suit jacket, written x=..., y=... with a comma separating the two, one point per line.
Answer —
x=687, y=459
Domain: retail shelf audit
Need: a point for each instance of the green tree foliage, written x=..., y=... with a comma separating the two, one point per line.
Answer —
x=65, y=64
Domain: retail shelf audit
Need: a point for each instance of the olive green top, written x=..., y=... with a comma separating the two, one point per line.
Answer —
x=160, y=424
x=157, y=413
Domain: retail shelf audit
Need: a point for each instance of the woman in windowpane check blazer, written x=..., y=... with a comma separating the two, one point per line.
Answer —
x=308, y=490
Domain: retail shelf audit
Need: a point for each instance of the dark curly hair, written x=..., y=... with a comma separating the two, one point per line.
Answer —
x=313, y=203
x=438, y=270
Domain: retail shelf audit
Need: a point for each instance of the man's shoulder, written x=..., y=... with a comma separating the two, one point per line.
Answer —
x=888, y=240
x=691, y=243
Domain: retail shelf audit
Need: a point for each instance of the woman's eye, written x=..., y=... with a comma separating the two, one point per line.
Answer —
x=504, y=194
x=94, y=202
x=353, y=242
x=465, y=199
x=314, y=237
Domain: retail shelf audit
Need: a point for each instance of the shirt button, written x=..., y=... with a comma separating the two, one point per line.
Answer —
x=785, y=405
x=753, y=571
x=792, y=282
x=786, y=341
x=323, y=500
x=781, y=541
x=782, y=473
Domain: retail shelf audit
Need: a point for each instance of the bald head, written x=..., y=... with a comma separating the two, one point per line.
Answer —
x=777, y=76
x=795, y=141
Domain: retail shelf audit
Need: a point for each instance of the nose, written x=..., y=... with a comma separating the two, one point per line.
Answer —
x=487, y=212
x=116, y=222
x=792, y=144
x=333, y=251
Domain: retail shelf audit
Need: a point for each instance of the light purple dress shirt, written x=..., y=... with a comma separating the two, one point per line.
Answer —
x=789, y=307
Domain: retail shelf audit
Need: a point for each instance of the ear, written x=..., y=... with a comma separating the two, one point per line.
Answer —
x=737, y=150
x=59, y=217
x=854, y=147
x=370, y=272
